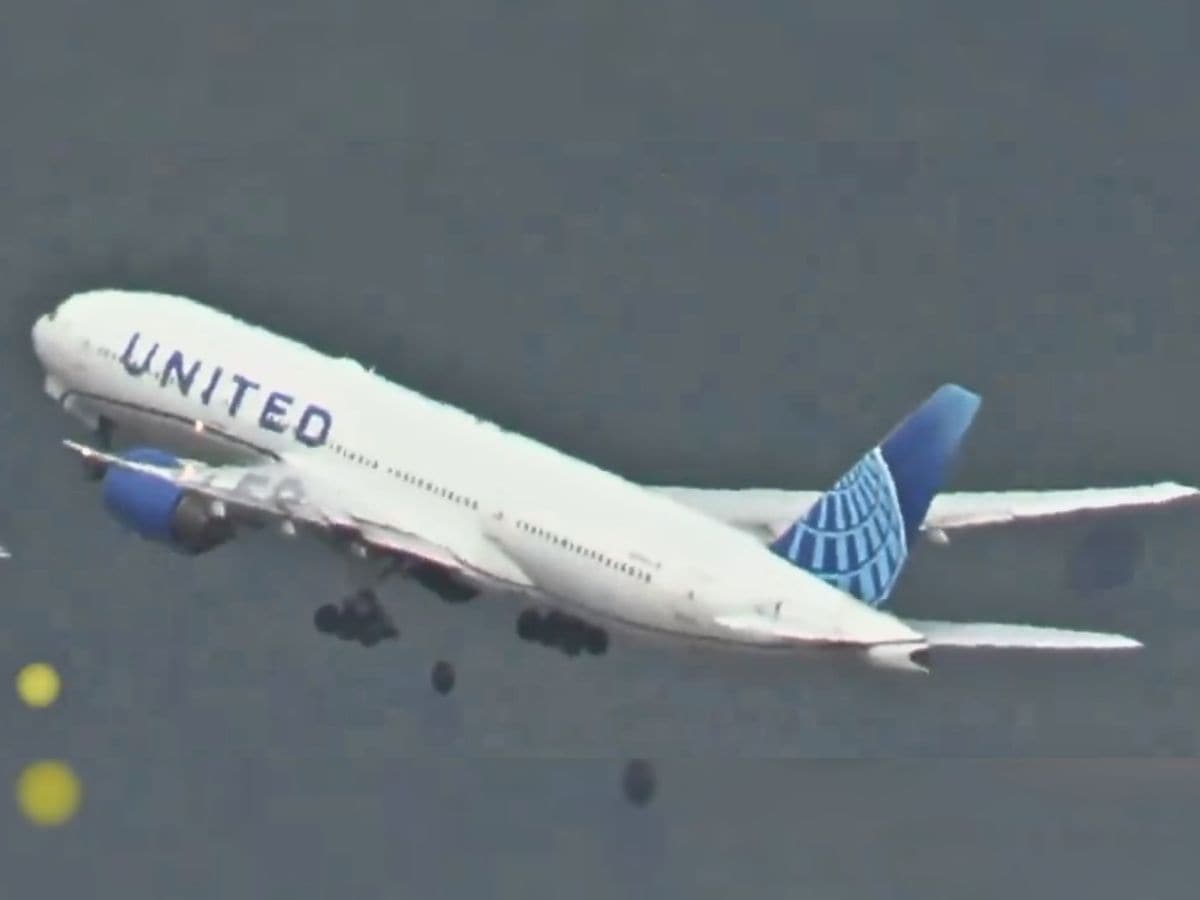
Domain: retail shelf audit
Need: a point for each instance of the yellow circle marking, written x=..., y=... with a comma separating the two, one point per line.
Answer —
x=48, y=793
x=38, y=684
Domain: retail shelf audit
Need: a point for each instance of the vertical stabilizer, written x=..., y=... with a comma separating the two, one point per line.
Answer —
x=857, y=536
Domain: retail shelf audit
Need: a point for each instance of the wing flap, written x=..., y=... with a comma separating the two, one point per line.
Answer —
x=1033, y=637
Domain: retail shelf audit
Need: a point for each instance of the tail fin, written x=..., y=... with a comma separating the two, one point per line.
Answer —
x=857, y=536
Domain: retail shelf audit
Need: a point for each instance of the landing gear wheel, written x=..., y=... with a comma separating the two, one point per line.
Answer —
x=358, y=618
x=552, y=628
x=596, y=641
x=327, y=618
x=528, y=623
x=571, y=639
x=557, y=629
x=442, y=677
x=638, y=782
x=375, y=630
x=350, y=625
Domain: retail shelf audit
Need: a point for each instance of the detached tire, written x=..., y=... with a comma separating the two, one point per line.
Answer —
x=442, y=677
x=638, y=782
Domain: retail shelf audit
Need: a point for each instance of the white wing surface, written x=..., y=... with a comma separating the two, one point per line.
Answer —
x=299, y=493
x=766, y=512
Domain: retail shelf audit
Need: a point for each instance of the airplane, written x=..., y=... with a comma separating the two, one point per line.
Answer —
x=227, y=427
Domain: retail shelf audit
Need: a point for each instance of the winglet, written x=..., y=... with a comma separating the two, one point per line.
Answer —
x=857, y=535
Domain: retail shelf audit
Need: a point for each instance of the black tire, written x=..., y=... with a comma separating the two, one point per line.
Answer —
x=639, y=782
x=550, y=631
x=529, y=625
x=572, y=638
x=327, y=619
x=351, y=626
x=375, y=630
x=596, y=641
x=442, y=677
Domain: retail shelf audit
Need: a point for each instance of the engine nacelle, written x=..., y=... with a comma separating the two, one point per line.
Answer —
x=158, y=510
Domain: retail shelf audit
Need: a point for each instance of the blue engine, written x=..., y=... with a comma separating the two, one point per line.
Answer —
x=158, y=510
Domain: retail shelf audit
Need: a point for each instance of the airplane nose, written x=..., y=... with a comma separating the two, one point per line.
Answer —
x=47, y=337
x=40, y=327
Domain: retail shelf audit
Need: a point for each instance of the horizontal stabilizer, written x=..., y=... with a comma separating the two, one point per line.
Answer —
x=964, y=510
x=986, y=634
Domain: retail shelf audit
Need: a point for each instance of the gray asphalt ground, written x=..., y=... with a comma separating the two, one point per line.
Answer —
x=698, y=243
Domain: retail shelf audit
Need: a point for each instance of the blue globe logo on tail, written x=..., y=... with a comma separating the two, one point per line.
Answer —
x=858, y=535
x=854, y=536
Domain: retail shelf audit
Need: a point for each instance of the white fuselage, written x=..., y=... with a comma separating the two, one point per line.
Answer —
x=196, y=381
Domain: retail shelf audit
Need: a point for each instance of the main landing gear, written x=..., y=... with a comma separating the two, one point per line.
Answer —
x=361, y=617
x=567, y=633
x=358, y=618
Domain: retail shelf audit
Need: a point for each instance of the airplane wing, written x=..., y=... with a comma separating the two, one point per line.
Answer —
x=766, y=512
x=299, y=494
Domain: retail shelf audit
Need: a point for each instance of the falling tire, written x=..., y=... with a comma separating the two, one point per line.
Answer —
x=442, y=677
x=638, y=782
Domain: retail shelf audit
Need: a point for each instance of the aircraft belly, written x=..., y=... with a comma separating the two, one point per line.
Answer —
x=581, y=584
